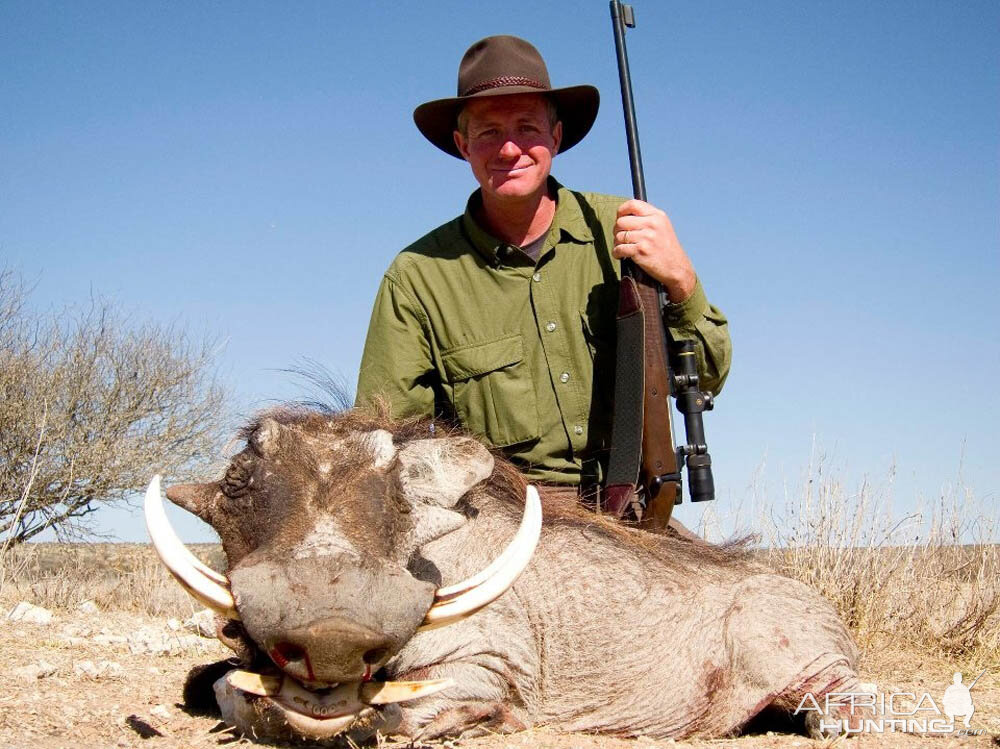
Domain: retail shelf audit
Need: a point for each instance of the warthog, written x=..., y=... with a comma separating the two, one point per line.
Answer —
x=346, y=538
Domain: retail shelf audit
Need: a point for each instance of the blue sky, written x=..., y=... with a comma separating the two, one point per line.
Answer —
x=250, y=169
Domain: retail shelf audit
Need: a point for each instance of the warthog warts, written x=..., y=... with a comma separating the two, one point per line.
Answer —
x=346, y=539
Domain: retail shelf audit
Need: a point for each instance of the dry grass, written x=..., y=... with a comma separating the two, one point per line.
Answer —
x=117, y=577
x=929, y=577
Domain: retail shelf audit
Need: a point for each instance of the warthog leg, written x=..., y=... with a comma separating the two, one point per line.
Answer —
x=472, y=719
x=786, y=642
x=488, y=702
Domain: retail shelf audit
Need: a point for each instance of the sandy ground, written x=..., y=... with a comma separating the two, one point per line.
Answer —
x=136, y=703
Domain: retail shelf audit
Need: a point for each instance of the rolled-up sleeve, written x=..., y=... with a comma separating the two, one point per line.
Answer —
x=695, y=319
x=396, y=365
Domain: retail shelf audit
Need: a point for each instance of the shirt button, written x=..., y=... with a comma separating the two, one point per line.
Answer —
x=578, y=429
x=536, y=276
x=564, y=377
x=550, y=326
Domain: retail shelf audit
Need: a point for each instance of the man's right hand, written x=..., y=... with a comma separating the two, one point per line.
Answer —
x=644, y=234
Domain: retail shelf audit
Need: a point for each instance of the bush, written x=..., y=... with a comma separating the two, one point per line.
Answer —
x=90, y=407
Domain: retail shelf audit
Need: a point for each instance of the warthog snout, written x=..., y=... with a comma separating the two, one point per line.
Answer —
x=330, y=650
x=340, y=636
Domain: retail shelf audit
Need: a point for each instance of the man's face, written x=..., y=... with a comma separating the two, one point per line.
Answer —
x=509, y=143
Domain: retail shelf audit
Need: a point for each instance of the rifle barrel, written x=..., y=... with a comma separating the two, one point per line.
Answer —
x=618, y=20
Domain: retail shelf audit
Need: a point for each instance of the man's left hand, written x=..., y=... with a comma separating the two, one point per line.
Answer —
x=644, y=234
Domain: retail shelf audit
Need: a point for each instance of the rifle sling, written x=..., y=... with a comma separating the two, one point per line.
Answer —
x=626, y=425
x=642, y=449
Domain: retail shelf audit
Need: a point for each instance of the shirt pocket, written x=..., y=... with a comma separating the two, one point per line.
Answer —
x=493, y=392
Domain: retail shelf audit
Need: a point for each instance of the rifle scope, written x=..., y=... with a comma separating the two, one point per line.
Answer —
x=692, y=402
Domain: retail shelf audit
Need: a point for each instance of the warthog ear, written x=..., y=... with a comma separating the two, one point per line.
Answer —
x=264, y=439
x=380, y=443
x=441, y=471
x=195, y=498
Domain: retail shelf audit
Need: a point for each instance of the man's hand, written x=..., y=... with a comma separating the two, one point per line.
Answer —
x=644, y=233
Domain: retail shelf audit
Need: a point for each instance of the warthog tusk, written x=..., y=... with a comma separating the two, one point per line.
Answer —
x=337, y=702
x=456, y=602
x=204, y=568
x=259, y=684
x=386, y=692
x=176, y=558
x=200, y=565
x=450, y=591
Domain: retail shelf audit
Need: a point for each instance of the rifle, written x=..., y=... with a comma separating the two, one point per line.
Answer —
x=644, y=467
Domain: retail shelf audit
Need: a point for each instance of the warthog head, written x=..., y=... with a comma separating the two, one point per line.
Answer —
x=322, y=522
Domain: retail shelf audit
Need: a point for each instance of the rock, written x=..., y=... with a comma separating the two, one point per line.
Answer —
x=88, y=607
x=150, y=641
x=26, y=612
x=103, y=670
x=143, y=642
x=35, y=671
x=161, y=712
x=85, y=668
x=173, y=624
x=76, y=629
x=202, y=624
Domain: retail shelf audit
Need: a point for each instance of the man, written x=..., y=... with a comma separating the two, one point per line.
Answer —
x=504, y=318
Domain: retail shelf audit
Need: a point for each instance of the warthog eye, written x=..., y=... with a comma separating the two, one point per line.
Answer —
x=239, y=476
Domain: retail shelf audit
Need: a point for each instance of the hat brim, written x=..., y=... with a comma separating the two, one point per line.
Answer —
x=577, y=107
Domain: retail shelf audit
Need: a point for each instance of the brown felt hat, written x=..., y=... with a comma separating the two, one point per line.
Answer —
x=499, y=66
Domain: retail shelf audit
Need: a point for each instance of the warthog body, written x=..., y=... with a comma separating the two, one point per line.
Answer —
x=338, y=534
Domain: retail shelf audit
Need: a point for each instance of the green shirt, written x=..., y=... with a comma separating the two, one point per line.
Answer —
x=520, y=352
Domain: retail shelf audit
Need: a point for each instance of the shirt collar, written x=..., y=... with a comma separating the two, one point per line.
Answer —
x=568, y=220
